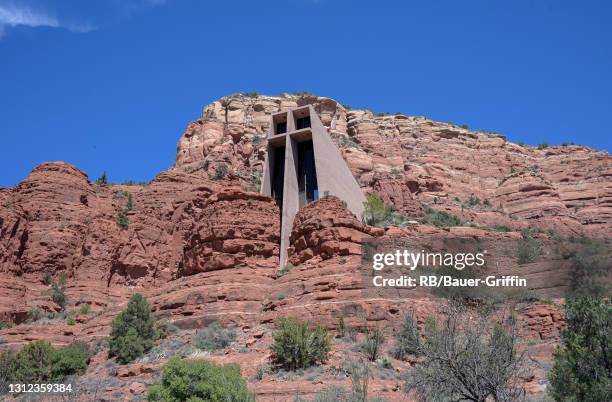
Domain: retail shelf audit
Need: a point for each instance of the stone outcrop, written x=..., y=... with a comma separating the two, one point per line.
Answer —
x=203, y=245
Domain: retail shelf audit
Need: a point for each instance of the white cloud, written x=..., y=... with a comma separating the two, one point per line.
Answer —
x=13, y=16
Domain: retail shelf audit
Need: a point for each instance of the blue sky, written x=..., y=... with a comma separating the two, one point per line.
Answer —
x=109, y=85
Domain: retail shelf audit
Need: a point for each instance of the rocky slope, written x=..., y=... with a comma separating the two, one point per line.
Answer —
x=203, y=245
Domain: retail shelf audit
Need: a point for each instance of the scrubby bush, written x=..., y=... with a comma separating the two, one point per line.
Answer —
x=132, y=331
x=466, y=358
x=85, y=308
x=260, y=371
x=213, y=337
x=385, y=363
x=200, y=380
x=376, y=213
x=296, y=346
x=33, y=363
x=164, y=328
x=473, y=201
x=372, y=344
x=528, y=248
x=440, y=218
x=590, y=267
x=7, y=370
x=40, y=362
x=341, y=328
x=122, y=219
x=284, y=270
x=103, y=179
x=582, y=368
x=220, y=172
x=501, y=228
x=58, y=295
x=407, y=341
x=543, y=145
x=128, y=347
x=70, y=360
x=35, y=314
x=528, y=296
x=360, y=374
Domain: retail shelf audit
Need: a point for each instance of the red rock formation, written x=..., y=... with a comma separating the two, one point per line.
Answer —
x=203, y=245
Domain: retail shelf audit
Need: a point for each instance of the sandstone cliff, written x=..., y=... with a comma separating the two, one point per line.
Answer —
x=203, y=245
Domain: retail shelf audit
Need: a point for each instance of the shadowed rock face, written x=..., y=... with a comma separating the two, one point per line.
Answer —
x=203, y=245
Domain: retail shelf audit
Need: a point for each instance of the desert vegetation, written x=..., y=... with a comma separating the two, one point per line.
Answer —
x=40, y=362
x=297, y=346
x=214, y=337
x=200, y=380
x=468, y=358
x=582, y=369
x=132, y=331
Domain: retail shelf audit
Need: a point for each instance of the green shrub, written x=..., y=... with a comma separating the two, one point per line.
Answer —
x=35, y=314
x=58, y=295
x=70, y=360
x=33, y=363
x=213, y=337
x=85, y=308
x=332, y=393
x=543, y=145
x=407, y=341
x=135, y=183
x=7, y=369
x=71, y=321
x=582, y=369
x=128, y=347
x=220, y=172
x=39, y=362
x=440, y=218
x=528, y=296
x=385, y=363
x=130, y=202
x=528, y=248
x=260, y=371
x=473, y=201
x=501, y=228
x=296, y=346
x=284, y=270
x=47, y=278
x=341, y=327
x=376, y=213
x=164, y=328
x=6, y=324
x=122, y=219
x=360, y=374
x=132, y=331
x=372, y=344
x=200, y=380
x=103, y=179
x=590, y=267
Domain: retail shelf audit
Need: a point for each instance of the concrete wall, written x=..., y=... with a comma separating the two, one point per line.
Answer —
x=333, y=175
